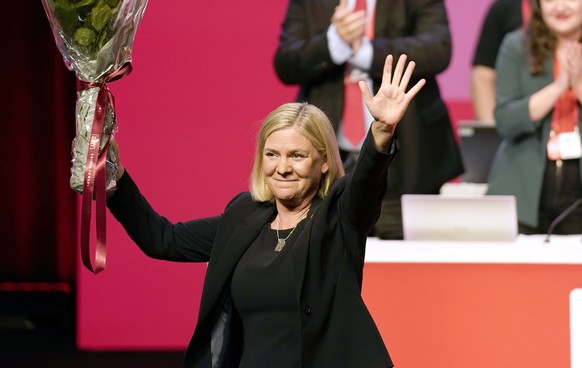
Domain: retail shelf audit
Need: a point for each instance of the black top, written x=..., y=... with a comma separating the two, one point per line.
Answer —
x=265, y=297
x=503, y=17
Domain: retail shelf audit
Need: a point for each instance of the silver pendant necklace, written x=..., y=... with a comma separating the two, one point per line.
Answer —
x=282, y=241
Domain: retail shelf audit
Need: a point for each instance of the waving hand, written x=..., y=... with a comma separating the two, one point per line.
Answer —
x=390, y=103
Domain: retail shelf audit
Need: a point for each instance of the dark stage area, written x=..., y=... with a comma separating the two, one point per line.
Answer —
x=37, y=330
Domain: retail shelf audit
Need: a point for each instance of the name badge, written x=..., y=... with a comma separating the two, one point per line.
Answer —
x=570, y=146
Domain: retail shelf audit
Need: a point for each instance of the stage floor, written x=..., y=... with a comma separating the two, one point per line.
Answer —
x=34, y=332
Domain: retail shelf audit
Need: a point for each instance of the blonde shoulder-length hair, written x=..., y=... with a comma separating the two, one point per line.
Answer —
x=315, y=126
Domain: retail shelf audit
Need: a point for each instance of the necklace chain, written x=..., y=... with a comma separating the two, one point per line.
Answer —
x=281, y=241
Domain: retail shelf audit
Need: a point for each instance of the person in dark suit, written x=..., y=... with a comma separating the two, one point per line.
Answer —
x=321, y=41
x=285, y=260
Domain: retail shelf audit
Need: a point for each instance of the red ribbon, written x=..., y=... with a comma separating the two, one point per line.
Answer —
x=94, y=183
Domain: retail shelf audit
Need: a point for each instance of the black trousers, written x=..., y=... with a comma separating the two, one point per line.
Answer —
x=389, y=225
x=561, y=188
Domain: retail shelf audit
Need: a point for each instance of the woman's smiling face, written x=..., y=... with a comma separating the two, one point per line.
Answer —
x=292, y=166
x=563, y=17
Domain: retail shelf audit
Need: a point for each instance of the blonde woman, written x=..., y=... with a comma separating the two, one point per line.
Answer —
x=285, y=260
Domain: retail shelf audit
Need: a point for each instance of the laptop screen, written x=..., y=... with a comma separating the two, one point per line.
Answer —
x=462, y=218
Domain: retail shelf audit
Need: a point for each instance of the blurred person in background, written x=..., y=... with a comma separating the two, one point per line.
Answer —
x=503, y=16
x=326, y=47
x=537, y=112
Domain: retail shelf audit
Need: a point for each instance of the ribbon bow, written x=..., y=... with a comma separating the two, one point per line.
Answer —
x=94, y=183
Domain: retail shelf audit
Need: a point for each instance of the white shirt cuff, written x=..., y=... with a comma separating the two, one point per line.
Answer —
x=339, y=50
x=363, y=59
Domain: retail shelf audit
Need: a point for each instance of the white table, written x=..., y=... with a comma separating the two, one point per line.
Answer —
x=476, y=304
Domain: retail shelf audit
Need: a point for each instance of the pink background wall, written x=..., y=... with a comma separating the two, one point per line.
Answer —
x=202, y=82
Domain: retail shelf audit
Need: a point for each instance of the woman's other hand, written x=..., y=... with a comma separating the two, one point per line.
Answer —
x=115, y=149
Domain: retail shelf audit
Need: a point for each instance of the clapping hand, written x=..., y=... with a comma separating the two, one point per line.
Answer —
x=349, y=24
x=390, y=103
x=574, y=65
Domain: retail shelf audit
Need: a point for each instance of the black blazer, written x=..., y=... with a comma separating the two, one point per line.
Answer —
x=336, y=328
x=419, y=28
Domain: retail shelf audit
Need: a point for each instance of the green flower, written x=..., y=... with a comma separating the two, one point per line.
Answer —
x=100, y=16
x=113, y=3
x=87, y=22
x=66, y=15
x=85, y=36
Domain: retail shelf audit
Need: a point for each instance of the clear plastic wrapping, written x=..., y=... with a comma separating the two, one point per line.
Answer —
x=95, y=38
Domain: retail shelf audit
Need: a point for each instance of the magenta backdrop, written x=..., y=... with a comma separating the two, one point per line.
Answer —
x=202, y=82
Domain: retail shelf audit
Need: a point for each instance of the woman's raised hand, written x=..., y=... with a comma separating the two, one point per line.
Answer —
x=390, y=103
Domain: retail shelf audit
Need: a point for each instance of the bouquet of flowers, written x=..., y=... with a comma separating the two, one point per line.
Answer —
x=95, y=38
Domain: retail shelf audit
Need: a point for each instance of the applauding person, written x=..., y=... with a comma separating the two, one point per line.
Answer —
x=539, y=89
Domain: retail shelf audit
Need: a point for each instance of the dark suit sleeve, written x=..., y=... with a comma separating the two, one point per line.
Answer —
x=157, y=236
x=302, y=56
x=360, y=201
x=365, y=189
x=419, y=29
